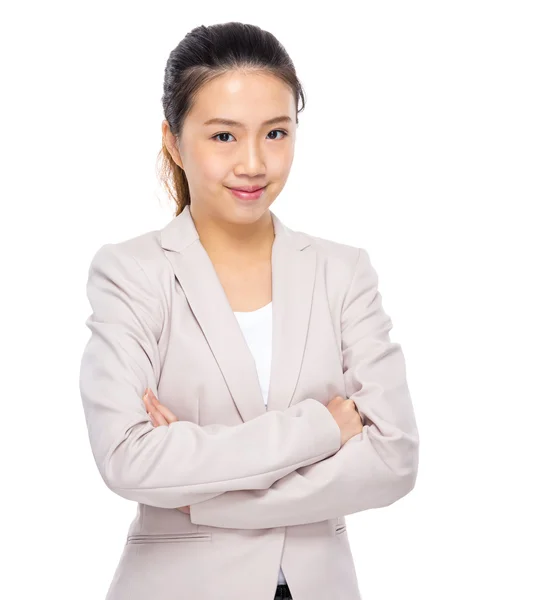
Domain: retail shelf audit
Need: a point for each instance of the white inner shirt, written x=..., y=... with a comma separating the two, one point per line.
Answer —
x=257, y=327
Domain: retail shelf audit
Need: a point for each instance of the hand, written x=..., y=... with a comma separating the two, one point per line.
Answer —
x=160, y=415
x=346, y=414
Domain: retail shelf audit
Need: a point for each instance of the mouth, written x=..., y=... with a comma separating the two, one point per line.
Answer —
x=248, y=193
x=248, y=189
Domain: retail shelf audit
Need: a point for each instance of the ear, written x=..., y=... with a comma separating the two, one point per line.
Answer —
x=170, y=141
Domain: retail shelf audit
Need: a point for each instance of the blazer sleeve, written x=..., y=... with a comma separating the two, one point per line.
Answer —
x=175, y=465
x=375, y=467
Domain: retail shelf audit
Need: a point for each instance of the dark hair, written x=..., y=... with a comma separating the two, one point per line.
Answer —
x=202, y=55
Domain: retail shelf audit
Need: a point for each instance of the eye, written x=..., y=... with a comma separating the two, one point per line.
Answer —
x=285, y=133
x=218, y=134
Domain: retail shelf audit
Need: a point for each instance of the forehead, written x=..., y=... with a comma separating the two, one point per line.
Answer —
x=248, y=97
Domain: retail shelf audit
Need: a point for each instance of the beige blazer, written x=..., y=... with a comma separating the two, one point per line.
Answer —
x=266, y=486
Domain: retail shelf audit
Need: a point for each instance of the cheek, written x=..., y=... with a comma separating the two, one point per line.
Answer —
x=210, y=172
x=280, y=165
x=282, y=160
x=205, y=166
x=213, y=168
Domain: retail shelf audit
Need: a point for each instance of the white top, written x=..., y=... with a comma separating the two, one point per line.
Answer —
x=257, y=326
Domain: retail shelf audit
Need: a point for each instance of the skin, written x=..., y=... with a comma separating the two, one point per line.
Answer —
x=218, y=156
x=215, y=157
x=343, y=410
x=159, y=416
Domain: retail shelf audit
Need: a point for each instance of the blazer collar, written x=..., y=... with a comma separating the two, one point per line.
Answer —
x=293, y=263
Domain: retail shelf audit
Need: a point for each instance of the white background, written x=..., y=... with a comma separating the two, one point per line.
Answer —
x=425, y=140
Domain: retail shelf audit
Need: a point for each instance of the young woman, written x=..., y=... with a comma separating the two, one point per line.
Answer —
x=239, y=383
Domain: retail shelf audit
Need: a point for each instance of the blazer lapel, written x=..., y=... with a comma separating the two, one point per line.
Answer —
x=293, y=264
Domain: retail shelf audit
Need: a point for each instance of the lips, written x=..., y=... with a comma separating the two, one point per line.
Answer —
x=246, y=196
x=248, y=189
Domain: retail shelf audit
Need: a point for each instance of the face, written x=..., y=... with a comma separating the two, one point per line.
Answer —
x=250, y=152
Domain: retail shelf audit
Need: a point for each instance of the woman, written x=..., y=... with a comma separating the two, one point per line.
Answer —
x=276, y=402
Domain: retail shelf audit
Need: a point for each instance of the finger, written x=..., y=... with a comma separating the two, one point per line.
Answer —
x=152, y=398
x=156, y=416
x=166, y=413
x=159, y=418
x=148, y=408
x=147, y=403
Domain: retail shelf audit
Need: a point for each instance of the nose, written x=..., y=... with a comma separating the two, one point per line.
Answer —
x=250, y=161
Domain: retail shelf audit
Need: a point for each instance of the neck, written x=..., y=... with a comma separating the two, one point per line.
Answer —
x=235, y=242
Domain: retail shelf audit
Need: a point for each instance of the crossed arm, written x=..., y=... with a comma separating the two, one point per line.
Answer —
x=374, y=468
x=144, y=463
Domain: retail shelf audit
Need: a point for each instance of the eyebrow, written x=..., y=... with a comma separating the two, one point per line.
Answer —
x=231, y=123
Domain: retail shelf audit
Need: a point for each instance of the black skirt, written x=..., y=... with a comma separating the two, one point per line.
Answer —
x=282, y=592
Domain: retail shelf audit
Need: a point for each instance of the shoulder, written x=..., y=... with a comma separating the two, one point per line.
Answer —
x=346, y=268
x=334, y=256
x=142, y=253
